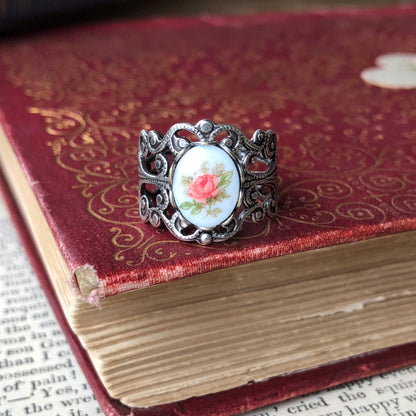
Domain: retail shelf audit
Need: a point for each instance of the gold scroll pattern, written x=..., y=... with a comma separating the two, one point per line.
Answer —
x=337, y=166
x=110, y=188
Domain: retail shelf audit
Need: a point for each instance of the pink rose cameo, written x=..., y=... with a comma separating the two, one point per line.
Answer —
x=206, y=188
x=203, y=187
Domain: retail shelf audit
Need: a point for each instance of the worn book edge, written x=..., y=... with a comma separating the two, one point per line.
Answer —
x=75, y=310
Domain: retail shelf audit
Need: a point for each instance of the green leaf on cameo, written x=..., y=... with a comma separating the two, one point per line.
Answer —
x=186, y=205
x=196, y=210
x=225, y=179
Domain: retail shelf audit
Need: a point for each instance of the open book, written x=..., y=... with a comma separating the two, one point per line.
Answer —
x=328, y=286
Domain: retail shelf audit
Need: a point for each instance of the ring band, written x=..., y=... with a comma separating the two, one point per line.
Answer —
x=204, y=180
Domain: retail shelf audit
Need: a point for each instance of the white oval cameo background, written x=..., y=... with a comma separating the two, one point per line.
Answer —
x=206, y=185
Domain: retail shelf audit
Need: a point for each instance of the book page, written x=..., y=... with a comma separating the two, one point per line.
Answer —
x=38, y=372
x=40, y=376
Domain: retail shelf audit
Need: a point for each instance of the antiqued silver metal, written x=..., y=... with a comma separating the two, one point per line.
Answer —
x=159, y=156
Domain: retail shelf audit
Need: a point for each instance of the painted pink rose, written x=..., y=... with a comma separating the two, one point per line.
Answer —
x=203, y=187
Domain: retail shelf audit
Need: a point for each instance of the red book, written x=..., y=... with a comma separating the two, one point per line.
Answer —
x=72, y=104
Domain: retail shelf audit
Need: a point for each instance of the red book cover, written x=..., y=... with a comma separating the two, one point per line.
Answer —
x=73, y=102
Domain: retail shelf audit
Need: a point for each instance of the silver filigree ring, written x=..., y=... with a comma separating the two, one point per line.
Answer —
x=204, y=180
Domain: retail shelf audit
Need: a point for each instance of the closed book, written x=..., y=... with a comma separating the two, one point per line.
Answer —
x=322, y=293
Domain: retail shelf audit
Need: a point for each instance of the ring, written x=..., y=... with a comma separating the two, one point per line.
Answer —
x=203, y=181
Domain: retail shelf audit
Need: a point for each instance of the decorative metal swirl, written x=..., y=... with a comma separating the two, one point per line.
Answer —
x=255, y=161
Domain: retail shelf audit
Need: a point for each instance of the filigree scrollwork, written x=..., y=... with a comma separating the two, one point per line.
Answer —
x=235, y=181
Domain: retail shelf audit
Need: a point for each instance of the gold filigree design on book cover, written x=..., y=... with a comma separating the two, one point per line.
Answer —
x=333, y=160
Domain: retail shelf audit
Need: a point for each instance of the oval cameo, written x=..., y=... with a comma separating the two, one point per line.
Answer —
x=206, y=185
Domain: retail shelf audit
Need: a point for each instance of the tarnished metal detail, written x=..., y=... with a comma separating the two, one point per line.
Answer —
x=255, y=161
